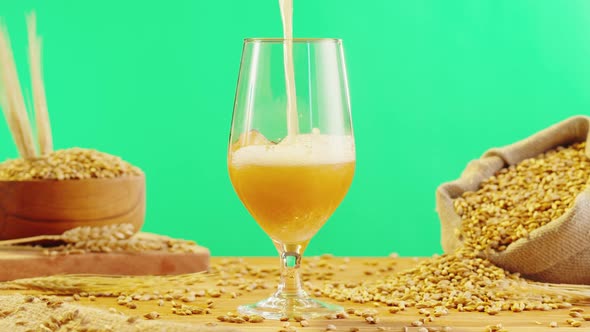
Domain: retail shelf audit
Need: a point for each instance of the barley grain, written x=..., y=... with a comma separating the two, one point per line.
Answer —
x=152, y=315
x=68, y=164
x=523, y=197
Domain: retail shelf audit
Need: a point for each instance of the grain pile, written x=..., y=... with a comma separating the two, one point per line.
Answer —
x=103, y=239
x=68, y=164
x=507, y=207
x=522, y=198
x=117, y=238
x=459, y=281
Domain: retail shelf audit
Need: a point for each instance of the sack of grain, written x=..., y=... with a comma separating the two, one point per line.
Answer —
x=535, y=223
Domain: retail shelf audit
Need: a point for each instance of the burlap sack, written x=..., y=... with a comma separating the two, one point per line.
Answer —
x=558, y=252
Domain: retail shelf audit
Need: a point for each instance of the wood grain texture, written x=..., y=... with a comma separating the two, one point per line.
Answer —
x=47, y=207
x=355, y=270
x=18, y=264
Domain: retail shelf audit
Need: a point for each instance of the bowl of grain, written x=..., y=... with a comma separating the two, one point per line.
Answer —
x=47, y=191
x=66, y=189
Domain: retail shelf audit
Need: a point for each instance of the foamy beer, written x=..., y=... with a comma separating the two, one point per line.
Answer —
x=293, y=187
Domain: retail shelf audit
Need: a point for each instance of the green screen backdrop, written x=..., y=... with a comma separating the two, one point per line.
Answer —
x=433, y=85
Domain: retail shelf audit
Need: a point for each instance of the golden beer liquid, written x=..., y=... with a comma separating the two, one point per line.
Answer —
x=292, y=202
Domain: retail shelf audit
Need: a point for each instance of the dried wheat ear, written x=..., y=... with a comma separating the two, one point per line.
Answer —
x=41, y=162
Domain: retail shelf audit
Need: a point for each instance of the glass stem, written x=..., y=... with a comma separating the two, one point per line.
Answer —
x=290, y=282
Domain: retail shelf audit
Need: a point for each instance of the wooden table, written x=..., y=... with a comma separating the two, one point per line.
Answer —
x=352, y=269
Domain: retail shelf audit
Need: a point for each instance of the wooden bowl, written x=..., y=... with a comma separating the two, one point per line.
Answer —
x=48, y=207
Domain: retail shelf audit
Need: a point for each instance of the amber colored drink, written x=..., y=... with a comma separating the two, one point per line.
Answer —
x=291, y=203
x=291, y=199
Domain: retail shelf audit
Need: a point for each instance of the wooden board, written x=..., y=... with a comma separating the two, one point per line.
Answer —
x=355, y=269
x=27, y=263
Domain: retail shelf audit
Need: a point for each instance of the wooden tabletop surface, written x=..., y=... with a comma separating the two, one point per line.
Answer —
x=348, y=269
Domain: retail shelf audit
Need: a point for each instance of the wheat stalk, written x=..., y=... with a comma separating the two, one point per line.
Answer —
x=13, y=104
x=39, y=99
x=12, y=100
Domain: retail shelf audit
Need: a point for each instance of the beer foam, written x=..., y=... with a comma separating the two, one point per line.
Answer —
x=305, y=149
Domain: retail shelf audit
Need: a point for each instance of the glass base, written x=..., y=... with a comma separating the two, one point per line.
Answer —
x=276, y=307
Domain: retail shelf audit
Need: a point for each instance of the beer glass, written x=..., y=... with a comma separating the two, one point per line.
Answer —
x=291, y=156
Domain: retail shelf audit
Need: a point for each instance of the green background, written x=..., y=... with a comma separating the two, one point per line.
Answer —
x=433, y=85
